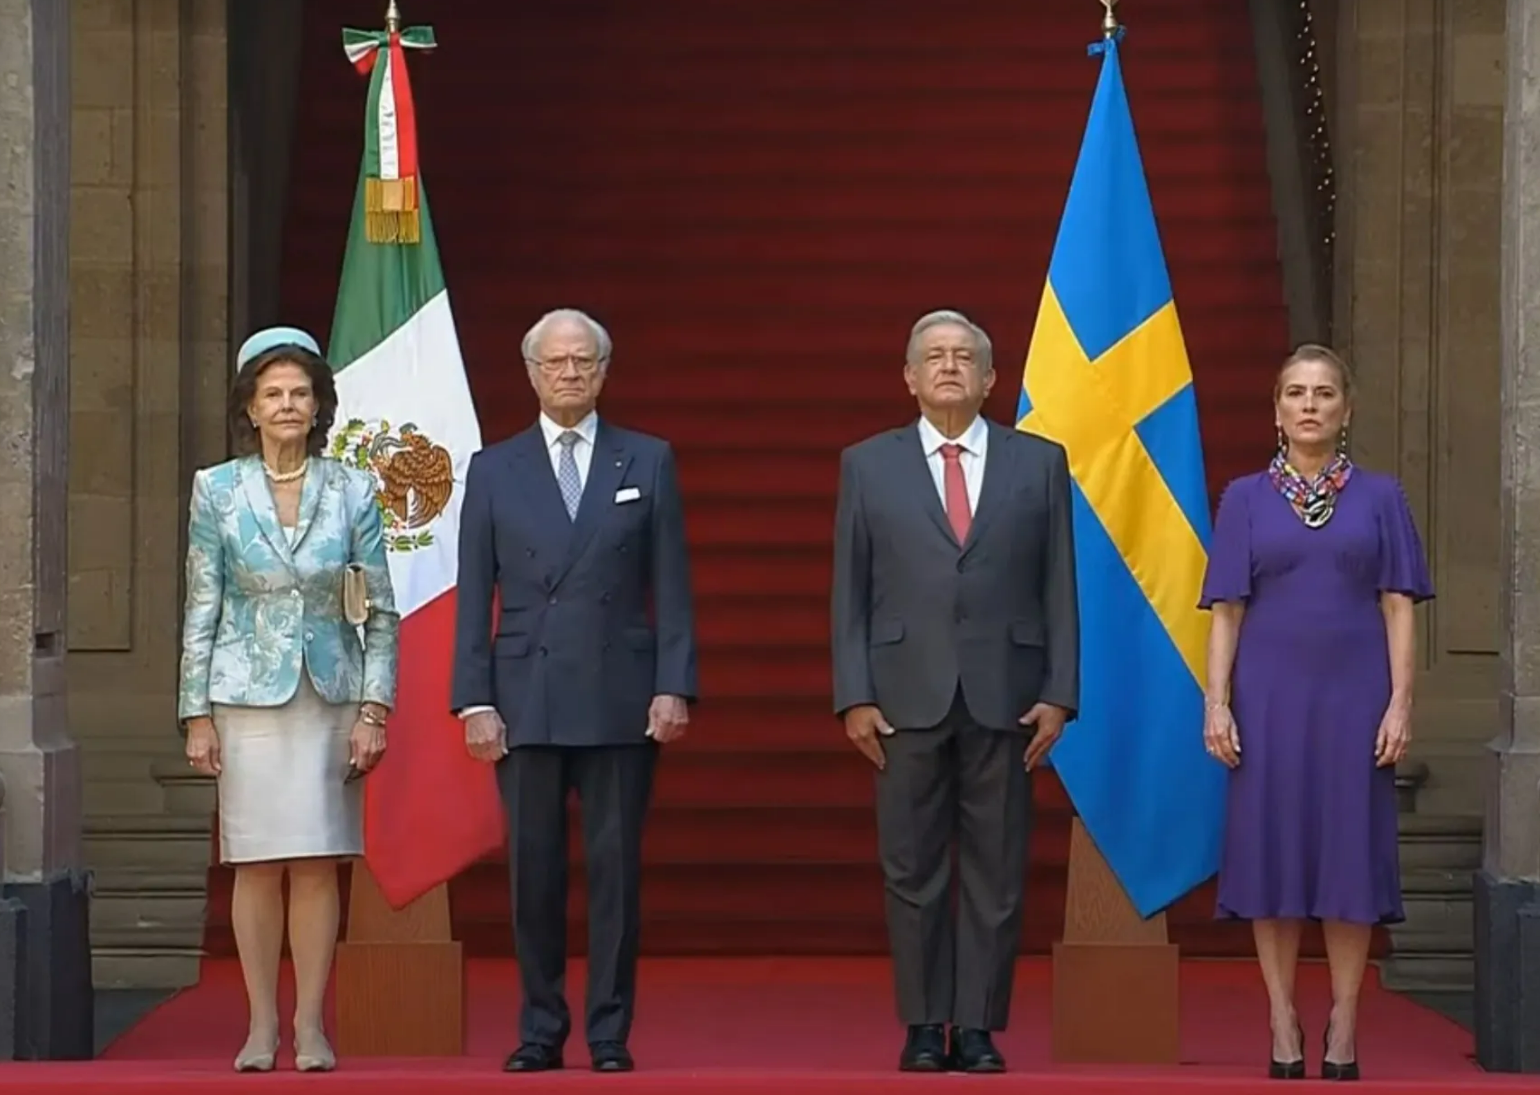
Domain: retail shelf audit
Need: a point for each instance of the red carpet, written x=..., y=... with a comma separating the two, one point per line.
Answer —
x=781, y=1025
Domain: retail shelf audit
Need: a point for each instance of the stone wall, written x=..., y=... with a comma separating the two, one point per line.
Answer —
x=149, y=293
x=148, y=335
x=44, y=895
x=1417, y=115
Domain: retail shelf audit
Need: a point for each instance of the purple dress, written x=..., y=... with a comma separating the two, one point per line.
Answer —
x=1310, y=822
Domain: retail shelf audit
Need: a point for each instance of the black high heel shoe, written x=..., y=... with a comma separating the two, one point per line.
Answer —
x=1289, y=1070
x=1331, y=1070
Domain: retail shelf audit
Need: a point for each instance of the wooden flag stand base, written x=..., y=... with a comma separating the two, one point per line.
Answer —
x=1115, y=975
x=400, y=976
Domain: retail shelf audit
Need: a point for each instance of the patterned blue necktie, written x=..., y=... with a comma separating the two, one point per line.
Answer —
x=567, y=473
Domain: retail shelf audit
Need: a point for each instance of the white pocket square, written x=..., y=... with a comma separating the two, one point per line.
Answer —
x=627, y=494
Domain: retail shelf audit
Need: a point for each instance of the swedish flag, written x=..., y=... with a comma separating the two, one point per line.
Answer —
x=1107, y=377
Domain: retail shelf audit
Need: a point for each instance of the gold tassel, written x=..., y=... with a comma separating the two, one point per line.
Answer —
x=390, y=211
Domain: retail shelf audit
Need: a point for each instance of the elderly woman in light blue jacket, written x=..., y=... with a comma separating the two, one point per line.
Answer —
x=285, y=694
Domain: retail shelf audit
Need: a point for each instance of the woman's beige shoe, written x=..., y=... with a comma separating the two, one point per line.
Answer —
x=312, y=1052
x=256, y=1056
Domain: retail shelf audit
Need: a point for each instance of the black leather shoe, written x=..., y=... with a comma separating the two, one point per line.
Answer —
x=533, y=1057
x=1333, y=1070
x=611, y=1057
x=974, y=1051
x=1288, y=1070
x=924, y=1049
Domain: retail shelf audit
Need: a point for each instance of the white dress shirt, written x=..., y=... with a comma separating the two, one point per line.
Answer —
x=582, y=451
x=582, y=455
x=974, y=443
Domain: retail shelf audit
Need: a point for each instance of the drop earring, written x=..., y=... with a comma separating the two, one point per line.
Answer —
x=1342, y=441
x=1283, y=442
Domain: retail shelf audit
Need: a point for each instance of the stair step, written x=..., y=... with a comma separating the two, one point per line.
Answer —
x=157, y=842
x=119, y=763
x=736, y=889
x=1435, y=925
x=785, y=672
x=1435, y=882
x=129, y=796
x=166, y=919
x=779, y=835
x=135, y=967
x=1450, y=971
x=1440, y=843
x=707, y=778
x=186, y=792
x=136, y=826
x=119, y=881
x=756, y=370
x=1439, y=827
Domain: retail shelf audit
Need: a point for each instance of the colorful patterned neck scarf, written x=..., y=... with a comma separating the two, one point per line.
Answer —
x=1313, y=499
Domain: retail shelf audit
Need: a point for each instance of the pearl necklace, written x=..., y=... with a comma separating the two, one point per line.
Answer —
x=288, y=476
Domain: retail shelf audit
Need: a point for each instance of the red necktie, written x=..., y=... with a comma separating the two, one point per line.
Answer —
x=958, y=512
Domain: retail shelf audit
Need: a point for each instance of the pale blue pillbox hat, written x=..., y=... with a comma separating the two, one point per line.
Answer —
x=271, y=337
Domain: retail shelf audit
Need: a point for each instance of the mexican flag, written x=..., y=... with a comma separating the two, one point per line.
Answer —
x=406, y=414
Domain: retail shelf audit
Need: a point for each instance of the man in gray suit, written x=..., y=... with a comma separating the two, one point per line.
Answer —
x=956, y=642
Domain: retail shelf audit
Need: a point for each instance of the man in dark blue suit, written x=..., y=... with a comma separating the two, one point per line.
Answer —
x=576, y=528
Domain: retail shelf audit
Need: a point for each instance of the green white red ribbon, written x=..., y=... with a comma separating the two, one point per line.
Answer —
x=390, y=131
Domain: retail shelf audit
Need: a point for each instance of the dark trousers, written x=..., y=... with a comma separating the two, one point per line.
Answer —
x=955, y=782
x=613, y=785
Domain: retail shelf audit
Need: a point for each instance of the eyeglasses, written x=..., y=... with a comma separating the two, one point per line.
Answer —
x=557, y=365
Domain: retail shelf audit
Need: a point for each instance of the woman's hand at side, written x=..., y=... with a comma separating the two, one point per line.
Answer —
x=203, y=746
x=367, y=744
x=1220, y=736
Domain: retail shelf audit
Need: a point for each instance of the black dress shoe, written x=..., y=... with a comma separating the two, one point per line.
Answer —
x=924, y=1049
x=611, y=1057
x=533, y=1057
x=1332, y=1070
x=974, y=1051
x=1288, y=1070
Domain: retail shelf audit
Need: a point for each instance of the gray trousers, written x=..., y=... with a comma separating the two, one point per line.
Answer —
x=954, y=962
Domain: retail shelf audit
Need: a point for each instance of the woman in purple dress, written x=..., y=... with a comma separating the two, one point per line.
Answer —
x=1312, y=574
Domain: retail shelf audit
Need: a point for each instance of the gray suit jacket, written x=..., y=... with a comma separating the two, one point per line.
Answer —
x=914, y=612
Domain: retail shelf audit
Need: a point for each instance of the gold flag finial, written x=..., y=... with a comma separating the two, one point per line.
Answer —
x=392, y=17
x=1109, y=20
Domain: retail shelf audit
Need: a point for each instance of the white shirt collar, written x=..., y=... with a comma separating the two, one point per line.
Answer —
x=971, y=440
x=586, y=429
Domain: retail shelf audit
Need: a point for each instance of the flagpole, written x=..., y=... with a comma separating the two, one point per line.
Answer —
x=1108, y=952
x=399, y=972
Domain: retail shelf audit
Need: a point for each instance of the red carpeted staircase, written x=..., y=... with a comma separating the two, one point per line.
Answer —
x=758, y=200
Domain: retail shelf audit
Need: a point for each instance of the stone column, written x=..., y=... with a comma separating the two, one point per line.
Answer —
x=39, y=767
x=1507, y=896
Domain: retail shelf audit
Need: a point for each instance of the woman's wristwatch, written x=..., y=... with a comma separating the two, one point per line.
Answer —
x=366, y=713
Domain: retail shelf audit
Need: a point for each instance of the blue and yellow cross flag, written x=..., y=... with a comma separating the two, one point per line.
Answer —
x=1107, y=377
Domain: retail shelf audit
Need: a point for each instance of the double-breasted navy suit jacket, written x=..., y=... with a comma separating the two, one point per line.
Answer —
x=594, y=615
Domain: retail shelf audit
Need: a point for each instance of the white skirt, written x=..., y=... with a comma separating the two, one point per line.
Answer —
x=282, y=793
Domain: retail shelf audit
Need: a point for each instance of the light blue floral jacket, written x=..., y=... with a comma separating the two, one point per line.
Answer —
x=259, y=612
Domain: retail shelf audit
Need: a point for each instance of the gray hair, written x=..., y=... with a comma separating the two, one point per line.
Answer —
x=603, y=346
x=983, y=349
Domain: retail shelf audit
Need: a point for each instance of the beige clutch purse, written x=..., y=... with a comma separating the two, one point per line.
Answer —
x=355, y=596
